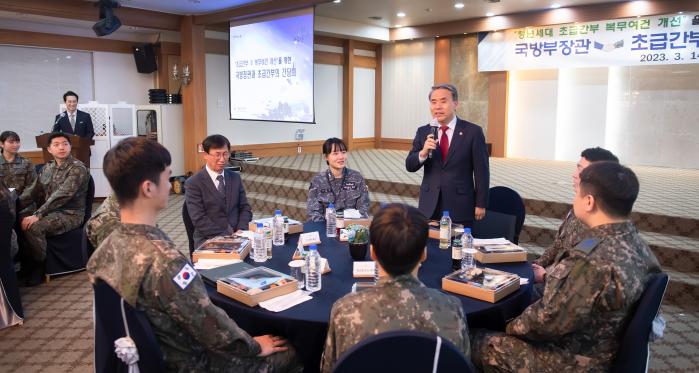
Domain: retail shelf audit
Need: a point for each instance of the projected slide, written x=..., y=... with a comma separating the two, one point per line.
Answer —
x=271, y=64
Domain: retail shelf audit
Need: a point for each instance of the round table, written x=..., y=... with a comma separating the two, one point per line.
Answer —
x=306, y=324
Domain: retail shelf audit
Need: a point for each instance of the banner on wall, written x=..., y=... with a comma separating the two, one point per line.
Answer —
x=652, y=40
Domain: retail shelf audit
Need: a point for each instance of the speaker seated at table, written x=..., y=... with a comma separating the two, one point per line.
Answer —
x=114, y=319
x=403, y=351
x=67, y=252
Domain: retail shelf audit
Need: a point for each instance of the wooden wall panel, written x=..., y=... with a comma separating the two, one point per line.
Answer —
x=44, y=40
x=397, y=144
x=363, y=143
x=282, y=148
x=497, y=113
x=194, y=94
x=348, y=92
x=442, y=57
x=36, y=156
x=378, y=82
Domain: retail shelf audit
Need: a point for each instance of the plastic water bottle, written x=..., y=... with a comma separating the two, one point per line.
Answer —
x=268, y=240
x=313, y=273
x=258, y=245
x=467, y=262
x=445, y=231
x=278, y=229
x=330, y=221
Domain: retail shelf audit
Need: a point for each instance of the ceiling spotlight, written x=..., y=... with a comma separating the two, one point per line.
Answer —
x=337, y=1
x=555, y=6
x=489, y=14
x=459, y=5
x=398, y=26
x=680, y=12
x=400, y=14
x=437, y=36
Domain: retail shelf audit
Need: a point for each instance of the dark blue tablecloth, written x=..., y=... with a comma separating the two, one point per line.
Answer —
x=306, y=325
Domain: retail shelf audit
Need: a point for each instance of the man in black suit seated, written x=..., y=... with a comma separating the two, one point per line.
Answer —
x=73, y=121
x=215, y=197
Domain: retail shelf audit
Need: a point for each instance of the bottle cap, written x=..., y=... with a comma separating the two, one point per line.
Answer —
x=445, y=213
x=467, y=230
x=277, y=212
x=313, y=247
x=259, y=225
x=331, y=206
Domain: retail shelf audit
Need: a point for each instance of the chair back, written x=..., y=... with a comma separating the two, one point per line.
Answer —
x=109, y=326
x=403, y=351
x=89, y=199
x=633, y=350
x=495, y=225
x=189, y=227
x=507, y=201
x=8, y=277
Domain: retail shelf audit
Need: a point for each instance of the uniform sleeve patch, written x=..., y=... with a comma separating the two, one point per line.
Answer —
x=587, y=245
x=185, y=276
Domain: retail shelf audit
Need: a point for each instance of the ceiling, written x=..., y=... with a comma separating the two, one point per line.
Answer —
x=417, y=12
x=423, y=12
x=184, y=7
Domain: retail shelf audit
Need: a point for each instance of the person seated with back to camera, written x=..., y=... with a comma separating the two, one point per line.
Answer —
x=590, y=292
x=141, y=263
x=343, y=187
x=399, y=301
x=215, y=197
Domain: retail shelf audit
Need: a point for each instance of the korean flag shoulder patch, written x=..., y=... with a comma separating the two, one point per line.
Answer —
x=185, y=276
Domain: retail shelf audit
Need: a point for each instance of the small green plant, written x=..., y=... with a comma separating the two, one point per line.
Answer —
x=357, y=234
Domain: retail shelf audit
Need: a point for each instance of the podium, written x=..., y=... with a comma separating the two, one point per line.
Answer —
x=80, y=147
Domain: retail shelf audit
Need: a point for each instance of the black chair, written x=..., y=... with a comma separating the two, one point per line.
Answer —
x=109, y=326
x=507, y=201
x=8, y=277
x=67, y=252
x=633, y=352
x=189, y=227
x=403, y=351
x=495, y=225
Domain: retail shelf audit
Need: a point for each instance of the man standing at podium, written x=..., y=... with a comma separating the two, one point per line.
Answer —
x=73, y=121
x=453, y=152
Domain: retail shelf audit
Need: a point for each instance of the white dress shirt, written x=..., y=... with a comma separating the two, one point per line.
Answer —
x=450, y=135
x=213, y=175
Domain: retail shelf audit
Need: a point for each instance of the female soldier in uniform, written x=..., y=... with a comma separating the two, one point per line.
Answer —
x=338, y=184
x=16, y=171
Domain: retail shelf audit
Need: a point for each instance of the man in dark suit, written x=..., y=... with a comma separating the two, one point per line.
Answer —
x=453, y=153
x=73, y=121
x=215, y=198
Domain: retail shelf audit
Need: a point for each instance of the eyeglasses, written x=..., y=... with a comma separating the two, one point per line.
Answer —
x=222, y=155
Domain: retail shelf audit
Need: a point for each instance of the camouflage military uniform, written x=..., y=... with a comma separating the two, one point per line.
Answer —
x=141, y=263
x=568, y=235
x=348, y=192
x=397, y=303
x=18, y=174
x=60, y=192
x=588, y=298
x=103, y=222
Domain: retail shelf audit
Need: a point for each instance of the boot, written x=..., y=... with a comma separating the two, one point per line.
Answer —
x=36, y=276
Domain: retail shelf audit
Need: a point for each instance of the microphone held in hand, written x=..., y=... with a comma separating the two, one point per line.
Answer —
x=434, y=136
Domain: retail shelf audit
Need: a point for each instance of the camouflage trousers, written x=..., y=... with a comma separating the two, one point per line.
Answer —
x=499, y=352
x=213, y=362
x=50, y=225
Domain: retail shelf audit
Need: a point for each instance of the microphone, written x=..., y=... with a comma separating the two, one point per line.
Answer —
x=434, y=128
x=63, y=114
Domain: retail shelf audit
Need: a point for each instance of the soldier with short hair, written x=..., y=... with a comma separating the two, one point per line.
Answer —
x=103, y=222
x=55, y=202
x=400, y=300
x=590, y=292
x=343, y=187
x=141, y=263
